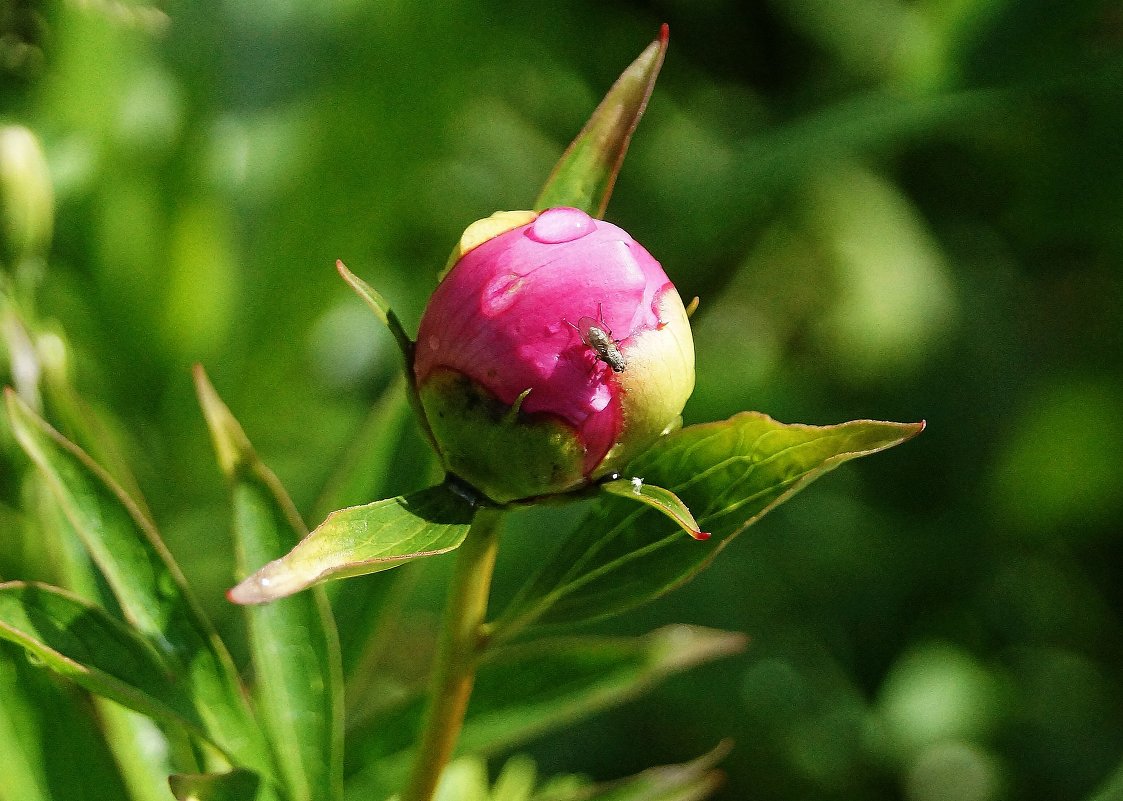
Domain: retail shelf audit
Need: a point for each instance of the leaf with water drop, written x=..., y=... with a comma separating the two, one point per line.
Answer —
x=729, y=473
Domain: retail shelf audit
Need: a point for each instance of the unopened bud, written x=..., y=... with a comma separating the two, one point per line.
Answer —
x=26, y=197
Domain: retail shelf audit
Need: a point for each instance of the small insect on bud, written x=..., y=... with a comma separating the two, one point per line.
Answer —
x=598, y=336
x=519, y=407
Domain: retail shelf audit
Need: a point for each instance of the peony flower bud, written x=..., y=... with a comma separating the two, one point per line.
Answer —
x=554, y=350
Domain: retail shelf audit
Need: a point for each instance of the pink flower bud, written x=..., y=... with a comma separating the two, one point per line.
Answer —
x=553, y=351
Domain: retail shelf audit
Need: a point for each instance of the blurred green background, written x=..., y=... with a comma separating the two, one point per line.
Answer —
x=897, y=209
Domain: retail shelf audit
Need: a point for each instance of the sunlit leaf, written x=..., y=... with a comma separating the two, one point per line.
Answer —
x=97, y=652
x=523, y=692
x=237, y=785
x=657, y=498
x=729, y=473
x=364, y=539
x=145, y=582
x=294, y=645
x=586, y=173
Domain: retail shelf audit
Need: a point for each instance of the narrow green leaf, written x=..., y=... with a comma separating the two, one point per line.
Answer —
x=294, y=644
x=146, y=583
x=657, y=498
x=97, y=652
x=586, y=173
x=139, y=749
x=525, y=691
x=237, y=785
x=364, y=539
x=130, y=736
x=691, y=781
x=564, y=680
x=730, y=473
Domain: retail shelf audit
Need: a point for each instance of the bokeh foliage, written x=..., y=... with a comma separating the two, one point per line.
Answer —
x=890, y=209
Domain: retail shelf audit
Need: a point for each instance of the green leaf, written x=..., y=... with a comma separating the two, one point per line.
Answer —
x=130, y=736
x=364, y=539
x=294, y=644
x=146, y=583
x=730, y=473
x=237, y=785
x=560, y=681
x=526, y=691
x=657, y=498
x=586, y=173
x=690, y=781
x=97, y=652
x=383, y=312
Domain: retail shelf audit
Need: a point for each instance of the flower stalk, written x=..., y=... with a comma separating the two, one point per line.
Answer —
x=458, y=653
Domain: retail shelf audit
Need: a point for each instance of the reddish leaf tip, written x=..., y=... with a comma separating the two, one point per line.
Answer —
x=664, y=33
x=700, y=535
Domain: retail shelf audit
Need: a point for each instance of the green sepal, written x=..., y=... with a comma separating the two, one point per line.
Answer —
x=541, y=454
x=586, y=173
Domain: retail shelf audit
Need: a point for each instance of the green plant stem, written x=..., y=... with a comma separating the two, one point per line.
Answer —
x=457, y=654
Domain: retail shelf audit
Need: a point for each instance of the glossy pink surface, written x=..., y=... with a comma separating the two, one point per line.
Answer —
x=500, y=317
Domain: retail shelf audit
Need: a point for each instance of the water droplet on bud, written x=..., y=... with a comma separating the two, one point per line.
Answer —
x=555, y=226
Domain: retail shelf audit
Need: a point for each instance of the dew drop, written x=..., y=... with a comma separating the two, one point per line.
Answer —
x=501, y=292
x=602, y=396
x=555, y=226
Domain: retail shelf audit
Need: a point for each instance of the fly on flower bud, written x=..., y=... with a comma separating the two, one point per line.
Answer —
x=521, y=401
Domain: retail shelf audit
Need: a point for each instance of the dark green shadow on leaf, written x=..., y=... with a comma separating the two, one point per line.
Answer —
x=103, y=655
x=237, y=785
x=525, y=691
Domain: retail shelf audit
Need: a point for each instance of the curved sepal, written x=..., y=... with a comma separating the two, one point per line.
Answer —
x=373, y=298
x=586, y=173
x=657, y=498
